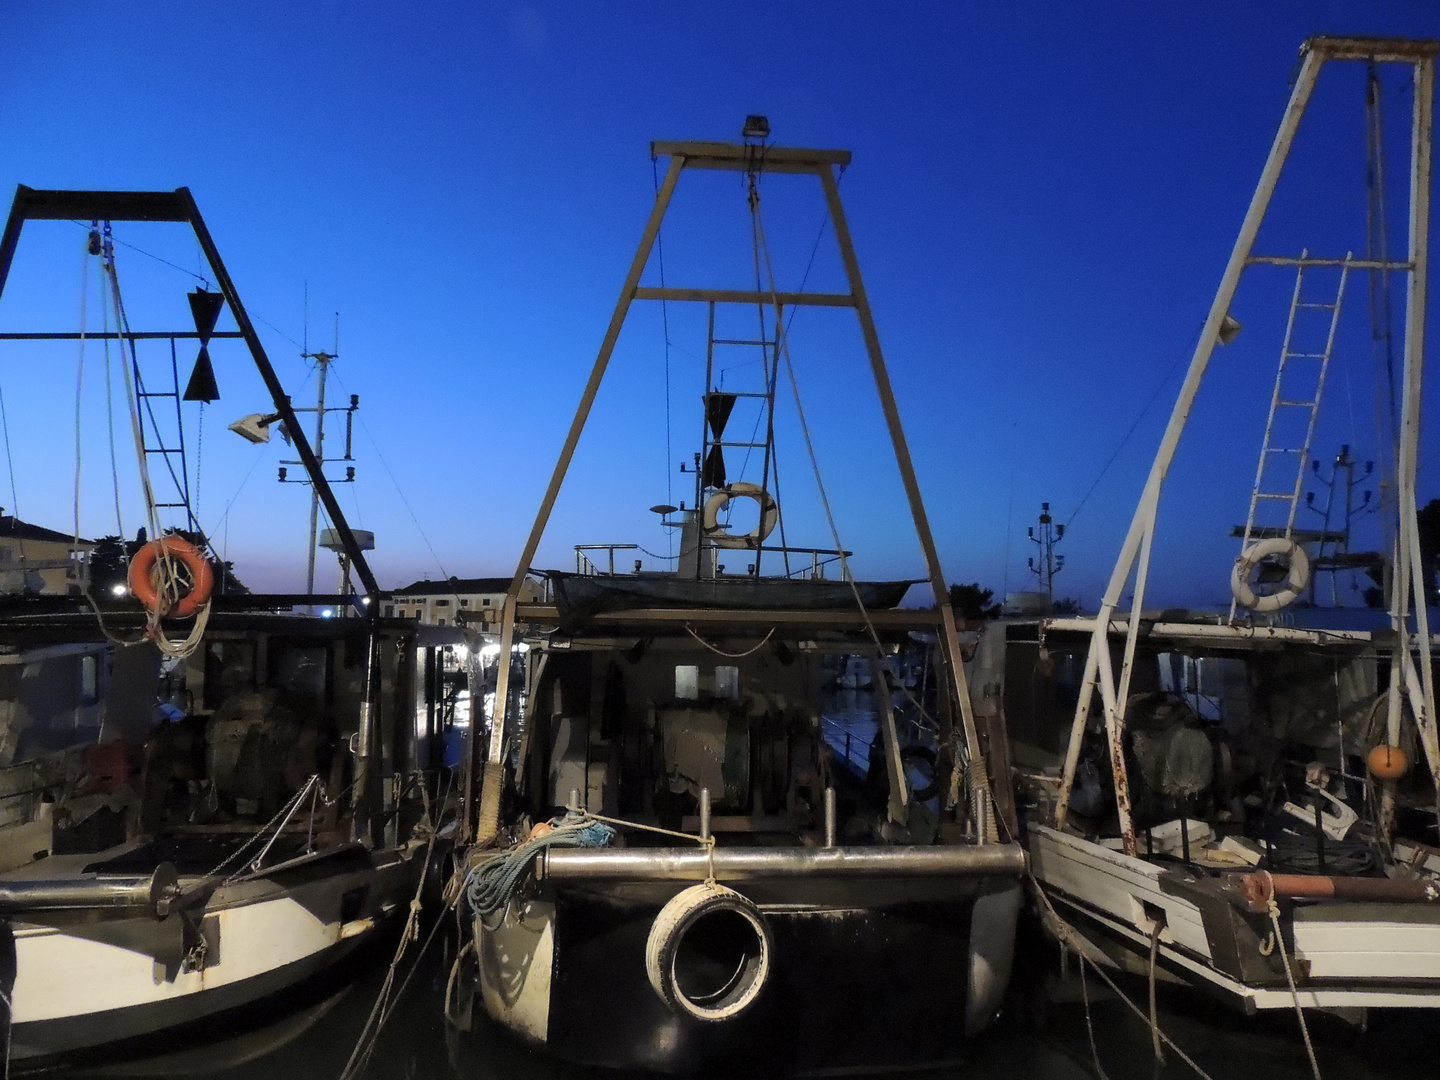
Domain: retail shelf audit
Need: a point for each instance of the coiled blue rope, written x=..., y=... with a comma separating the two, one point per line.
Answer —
x=489, y=886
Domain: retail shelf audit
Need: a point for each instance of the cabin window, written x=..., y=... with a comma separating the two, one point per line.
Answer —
x=727, y=682
x=89, y=680
x=464, y=603
x=442, y=603
x=389, y=610
x=687, y=682
x=485, y=602
x=300, y=671
x=229, y=670
x=440, y=621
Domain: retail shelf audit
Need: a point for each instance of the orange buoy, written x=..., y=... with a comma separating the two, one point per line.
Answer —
x=1387, y=762
x=144, y=577
x=541, y=828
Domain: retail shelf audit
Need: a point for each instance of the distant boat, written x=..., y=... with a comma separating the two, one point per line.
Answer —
x=579, y=597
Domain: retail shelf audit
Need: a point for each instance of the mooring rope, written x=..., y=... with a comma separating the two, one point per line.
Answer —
x=489, y=886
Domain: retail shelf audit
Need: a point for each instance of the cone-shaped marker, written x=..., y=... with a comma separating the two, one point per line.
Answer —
x=713, y=474
x=201, y=386
x=205, y=307
x=717, y=411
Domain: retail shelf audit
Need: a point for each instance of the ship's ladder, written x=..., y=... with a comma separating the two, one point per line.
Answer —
x=1295, y=404
x=160, y=441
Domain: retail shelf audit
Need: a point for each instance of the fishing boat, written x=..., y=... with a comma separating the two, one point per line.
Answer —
x=208, y=799
x=678, y=876
x=1244, y=802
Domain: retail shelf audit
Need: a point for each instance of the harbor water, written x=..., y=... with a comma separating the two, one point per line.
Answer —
x=1042, y=1033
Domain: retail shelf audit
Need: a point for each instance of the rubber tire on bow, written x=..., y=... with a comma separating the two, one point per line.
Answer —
x=682, y=911
x=145, y=589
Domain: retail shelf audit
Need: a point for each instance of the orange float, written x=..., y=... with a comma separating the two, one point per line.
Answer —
x=144, y=579
x=1387, y=762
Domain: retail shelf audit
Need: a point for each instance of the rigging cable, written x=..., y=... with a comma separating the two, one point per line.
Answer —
x=665, y=328
x=80, y=382
x=110, y=420
x=1382, y=343
x=1180, y=359
x=783, y=350
x=167, y=565
x=398, y=490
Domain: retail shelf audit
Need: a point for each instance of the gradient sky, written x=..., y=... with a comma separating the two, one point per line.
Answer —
x=1043, y=197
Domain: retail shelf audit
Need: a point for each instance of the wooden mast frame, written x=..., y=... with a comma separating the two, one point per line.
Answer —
x=821, y=164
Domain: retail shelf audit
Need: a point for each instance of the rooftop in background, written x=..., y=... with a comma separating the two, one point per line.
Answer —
x=453, y=585
x=13, y=527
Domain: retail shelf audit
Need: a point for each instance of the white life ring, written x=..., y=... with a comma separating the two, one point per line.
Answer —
x=715, y=532
x=1295, y=580
x=726, y=965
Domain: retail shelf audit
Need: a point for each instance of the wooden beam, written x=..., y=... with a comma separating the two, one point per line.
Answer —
x=742, y=296
x=717, y=155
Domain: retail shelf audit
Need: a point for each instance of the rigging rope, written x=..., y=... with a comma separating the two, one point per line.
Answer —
x=782, y=349
x=110, y=421
x=384, y=1003
x=489, y=886
x=732, y=655
x=1382, y=342
x=665, y=327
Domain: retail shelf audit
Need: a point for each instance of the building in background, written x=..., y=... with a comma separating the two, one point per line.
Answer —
x=438, y=603
x=34, y=559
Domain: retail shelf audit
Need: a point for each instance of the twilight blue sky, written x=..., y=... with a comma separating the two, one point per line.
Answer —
x=1043, y=197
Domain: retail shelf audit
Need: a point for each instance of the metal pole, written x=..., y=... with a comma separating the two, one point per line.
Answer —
x=323, y=360
x=488, y=819
x=1409, y=573
x=281, y=401
x=979, y=773
x=1145, y=511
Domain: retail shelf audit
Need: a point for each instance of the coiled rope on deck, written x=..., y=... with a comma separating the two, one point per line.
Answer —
x=489, y=886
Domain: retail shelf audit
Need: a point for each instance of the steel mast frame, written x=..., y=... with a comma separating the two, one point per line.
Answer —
x=735, y=158
x=1417, y=687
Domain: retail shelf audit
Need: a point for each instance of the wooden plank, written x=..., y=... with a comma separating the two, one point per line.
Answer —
x=718, y=155
x=744, y=296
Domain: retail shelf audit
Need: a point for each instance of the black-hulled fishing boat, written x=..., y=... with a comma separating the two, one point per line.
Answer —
x=669, y=870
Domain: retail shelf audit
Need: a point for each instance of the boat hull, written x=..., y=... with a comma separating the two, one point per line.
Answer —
x=102, y=987
x=1351, y=955
x=867, y=974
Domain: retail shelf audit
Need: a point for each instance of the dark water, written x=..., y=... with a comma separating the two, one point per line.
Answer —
x=1042, y=1033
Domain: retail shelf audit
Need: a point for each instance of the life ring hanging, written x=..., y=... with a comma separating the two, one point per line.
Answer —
x=145, y=577
x=769, y=516
x=1297, y=576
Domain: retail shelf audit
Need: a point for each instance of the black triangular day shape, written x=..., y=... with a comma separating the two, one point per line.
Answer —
x=717, y=411
x=205, y=307
x=713, y=474
x=201, y=386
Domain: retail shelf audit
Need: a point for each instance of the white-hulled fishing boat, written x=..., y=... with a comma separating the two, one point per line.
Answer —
x=1247, y=804
x=204, y=822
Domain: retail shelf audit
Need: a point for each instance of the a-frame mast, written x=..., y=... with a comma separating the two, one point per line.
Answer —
x=1134, y=559
x=737, y=158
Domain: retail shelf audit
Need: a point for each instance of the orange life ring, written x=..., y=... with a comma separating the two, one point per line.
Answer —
x=144, y=584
